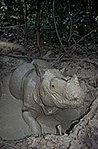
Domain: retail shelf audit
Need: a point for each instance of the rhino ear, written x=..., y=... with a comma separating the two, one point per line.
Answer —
x=39, y=70
x=62, y=70
x=75, y=78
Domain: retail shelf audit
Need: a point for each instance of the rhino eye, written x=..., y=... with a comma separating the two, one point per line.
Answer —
x=52, y=86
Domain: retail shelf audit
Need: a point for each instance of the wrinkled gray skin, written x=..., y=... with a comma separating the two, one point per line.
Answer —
x=44, y=90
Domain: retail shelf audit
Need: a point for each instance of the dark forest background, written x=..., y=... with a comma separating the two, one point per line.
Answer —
x=64, y=25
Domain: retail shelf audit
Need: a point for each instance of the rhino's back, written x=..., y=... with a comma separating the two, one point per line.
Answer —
x=17, y=78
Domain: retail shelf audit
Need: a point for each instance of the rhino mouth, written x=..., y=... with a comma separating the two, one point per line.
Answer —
x=68, y=103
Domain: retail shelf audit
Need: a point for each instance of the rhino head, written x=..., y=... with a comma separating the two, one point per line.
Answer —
x=60, y=91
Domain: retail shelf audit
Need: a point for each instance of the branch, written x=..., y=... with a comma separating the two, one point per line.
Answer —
x=38, y=16
x=13, y=26
x=25, y=17
x=94, y=30
x=29, y=58
x=57, y=29
x=70, y=34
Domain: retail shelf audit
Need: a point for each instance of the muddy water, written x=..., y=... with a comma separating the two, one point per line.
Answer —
x=12, y=125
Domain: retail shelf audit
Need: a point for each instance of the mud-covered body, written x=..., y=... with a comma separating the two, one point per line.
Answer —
x=24, y=85
x=43, y=90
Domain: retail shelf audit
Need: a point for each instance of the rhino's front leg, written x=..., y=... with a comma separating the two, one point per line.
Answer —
x=31, y=121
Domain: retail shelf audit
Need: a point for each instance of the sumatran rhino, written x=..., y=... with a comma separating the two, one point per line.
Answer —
x=44, y=90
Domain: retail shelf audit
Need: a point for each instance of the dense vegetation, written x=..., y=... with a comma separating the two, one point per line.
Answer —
x=65, y=23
